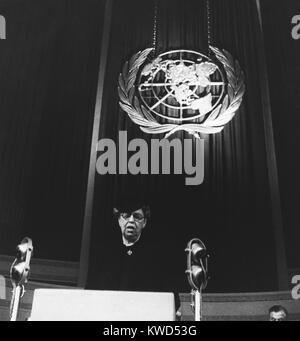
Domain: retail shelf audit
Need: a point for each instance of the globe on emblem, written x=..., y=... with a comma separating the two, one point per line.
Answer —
x=181, y=85
x=181, y=90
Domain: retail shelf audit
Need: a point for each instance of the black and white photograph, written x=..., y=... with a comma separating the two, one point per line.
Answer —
x=149, y=162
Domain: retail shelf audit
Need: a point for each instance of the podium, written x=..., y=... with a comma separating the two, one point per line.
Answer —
x=92, y=305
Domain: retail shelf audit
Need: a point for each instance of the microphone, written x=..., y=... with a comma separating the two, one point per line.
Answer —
x=198, y=250
x=198, y=275
x=21, y=251
x=21, y=266
x=17, y=271
x=197, y=264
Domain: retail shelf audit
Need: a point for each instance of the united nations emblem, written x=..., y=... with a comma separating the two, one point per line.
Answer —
x=181, y=90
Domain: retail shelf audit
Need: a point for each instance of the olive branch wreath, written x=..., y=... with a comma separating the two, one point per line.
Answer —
x=212, y=124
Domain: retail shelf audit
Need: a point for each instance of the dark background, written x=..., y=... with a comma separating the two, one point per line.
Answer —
x=48, y=77
x=48, y=67
x=283, y=55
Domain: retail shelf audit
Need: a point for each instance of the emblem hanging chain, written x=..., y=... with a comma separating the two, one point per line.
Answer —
x=154, y=34
x=209, y=34
x=181, y=90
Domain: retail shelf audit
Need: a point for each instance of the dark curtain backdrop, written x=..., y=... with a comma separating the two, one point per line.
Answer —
x=283, y=55
x=231, y=210
x=48, y=79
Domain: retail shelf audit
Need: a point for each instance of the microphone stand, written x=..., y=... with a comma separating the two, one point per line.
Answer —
x=198, y=305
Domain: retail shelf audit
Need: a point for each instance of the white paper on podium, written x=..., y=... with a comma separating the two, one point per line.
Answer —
x=92, y=305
